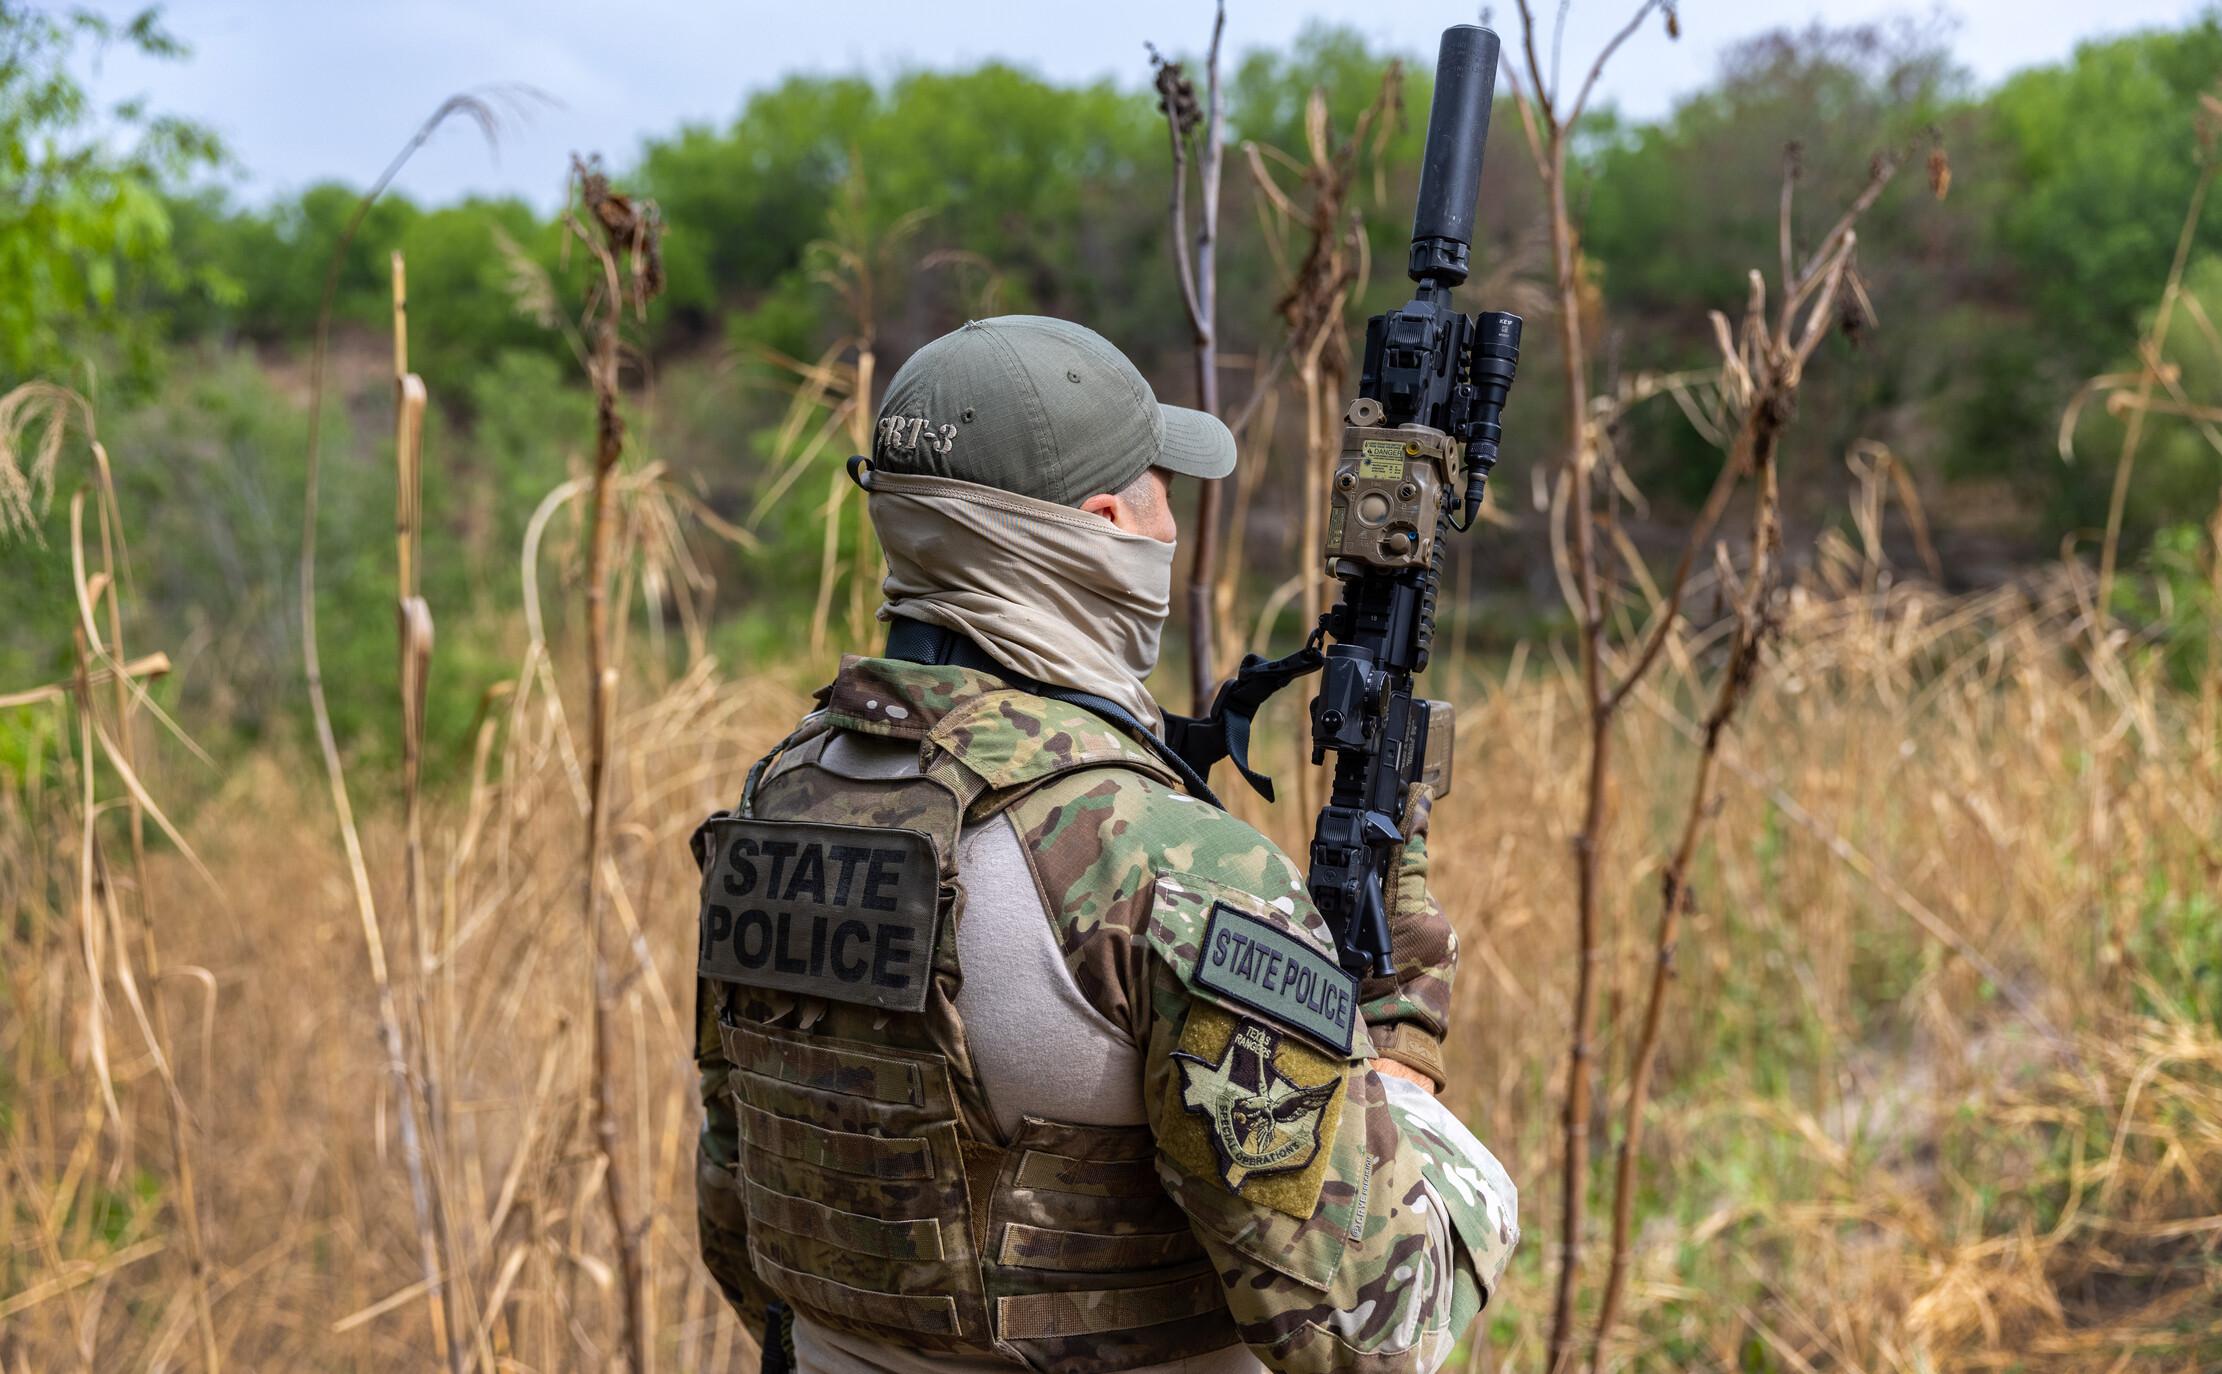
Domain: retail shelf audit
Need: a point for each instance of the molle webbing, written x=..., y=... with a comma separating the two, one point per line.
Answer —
x=1084, y=1177
x=852, y=1171
x=1050, y=1316
x=1033, y=1247
x=872, y=1156
x=1089, y=1258
x=933, y=1316
x=920, y=1239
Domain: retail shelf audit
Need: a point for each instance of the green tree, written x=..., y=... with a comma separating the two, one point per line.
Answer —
x=740, y=205
x=80, y=189
x=2097, y=159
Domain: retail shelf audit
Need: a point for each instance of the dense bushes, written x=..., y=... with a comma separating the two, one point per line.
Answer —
x=991, y=189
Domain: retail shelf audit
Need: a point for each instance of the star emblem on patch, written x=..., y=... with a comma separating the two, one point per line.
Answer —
x=1260, y=1121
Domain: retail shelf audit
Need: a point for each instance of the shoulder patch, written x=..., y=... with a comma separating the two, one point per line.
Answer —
x=1258, y=1119
x=1249, y=960
x=840, y=911
x=1253, y=1108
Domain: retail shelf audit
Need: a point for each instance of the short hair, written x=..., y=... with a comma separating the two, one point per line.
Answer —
x=1144, y=495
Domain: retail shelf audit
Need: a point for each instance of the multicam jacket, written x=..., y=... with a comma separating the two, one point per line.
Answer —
x=887, y=1155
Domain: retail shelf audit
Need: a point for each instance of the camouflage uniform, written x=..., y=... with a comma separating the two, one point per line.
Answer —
x=852, y=1167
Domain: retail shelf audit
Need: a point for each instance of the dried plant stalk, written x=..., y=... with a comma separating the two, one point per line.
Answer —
x=392, y=1039
x=1312, y=303
x=623, y=244
x=2152, y=371
x=1548, y=124
x=1197, y=271
x=413, y=624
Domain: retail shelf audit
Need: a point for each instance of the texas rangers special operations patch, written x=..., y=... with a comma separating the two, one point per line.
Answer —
x=1257, y=1109
x=1277, y=974
x=841, y=911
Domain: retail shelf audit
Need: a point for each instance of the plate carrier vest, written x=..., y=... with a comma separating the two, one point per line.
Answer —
x=880, y=1200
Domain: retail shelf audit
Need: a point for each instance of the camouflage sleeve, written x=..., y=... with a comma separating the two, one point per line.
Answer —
x=1466, y=1186
x=1408, y=1011
x=1310, y=1191
x=1338, y=1239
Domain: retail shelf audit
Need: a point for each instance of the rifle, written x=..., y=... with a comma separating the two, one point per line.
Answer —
x=1428, y=418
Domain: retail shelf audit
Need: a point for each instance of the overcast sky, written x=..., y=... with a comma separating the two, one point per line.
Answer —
x=308, y=89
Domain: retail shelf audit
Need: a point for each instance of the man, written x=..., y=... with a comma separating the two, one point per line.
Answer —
x=1015, y=1048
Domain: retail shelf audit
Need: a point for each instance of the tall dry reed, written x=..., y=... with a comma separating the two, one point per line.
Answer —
x=1943, y=1089
x=1864, y=1158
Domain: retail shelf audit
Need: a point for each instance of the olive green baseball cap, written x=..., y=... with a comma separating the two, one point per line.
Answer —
x=1041, y=407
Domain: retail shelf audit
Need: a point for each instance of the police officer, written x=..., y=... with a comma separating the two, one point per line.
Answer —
x=1015, y=1049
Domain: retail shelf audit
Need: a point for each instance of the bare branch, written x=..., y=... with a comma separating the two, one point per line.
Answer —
x=1526, y=108
x=1558, y=41
x=1597, y=68
x=1792, y=163
x=1670, y=608
x=1542, y=91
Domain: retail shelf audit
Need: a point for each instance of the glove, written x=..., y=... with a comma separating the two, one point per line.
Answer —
x=1407, y=1011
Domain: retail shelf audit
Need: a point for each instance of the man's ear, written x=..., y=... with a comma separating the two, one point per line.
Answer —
x=1108, y=506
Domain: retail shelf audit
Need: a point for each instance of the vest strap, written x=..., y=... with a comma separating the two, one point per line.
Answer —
x=1036, y=1247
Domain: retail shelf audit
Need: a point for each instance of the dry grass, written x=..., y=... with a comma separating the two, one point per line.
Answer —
x=1861, y=1158
x=307, y=1213
x=1940, y=1087
x=1866, y=1155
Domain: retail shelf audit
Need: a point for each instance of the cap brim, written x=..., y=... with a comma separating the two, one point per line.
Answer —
x=1196, y=444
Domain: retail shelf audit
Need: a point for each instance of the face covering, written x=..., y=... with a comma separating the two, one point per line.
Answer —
x=1055, y=593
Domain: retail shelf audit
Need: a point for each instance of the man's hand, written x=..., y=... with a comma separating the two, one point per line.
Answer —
x=1390, y=1068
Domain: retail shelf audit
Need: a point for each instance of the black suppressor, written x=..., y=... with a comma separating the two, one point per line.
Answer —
x=1450, y=170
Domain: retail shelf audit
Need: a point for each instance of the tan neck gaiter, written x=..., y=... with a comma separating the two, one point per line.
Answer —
x=1055, y=593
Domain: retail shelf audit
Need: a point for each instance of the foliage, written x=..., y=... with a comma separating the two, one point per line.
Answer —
x=2097, y=159
x=2179, y=460
x=1019, y=173
x=263, y=278
x=80, y=202
x=1016, y=193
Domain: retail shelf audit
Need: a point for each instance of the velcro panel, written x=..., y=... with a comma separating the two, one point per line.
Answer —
x=1093, y=1177
x=905, y=1240
x=872, y=1156
x=1035, y=1247
x=1048, y=1316
x=826, y=1065
x=934, y=1316
x=845, y=912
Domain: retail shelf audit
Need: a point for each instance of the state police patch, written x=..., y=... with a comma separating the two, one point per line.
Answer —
x=1276, y=973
